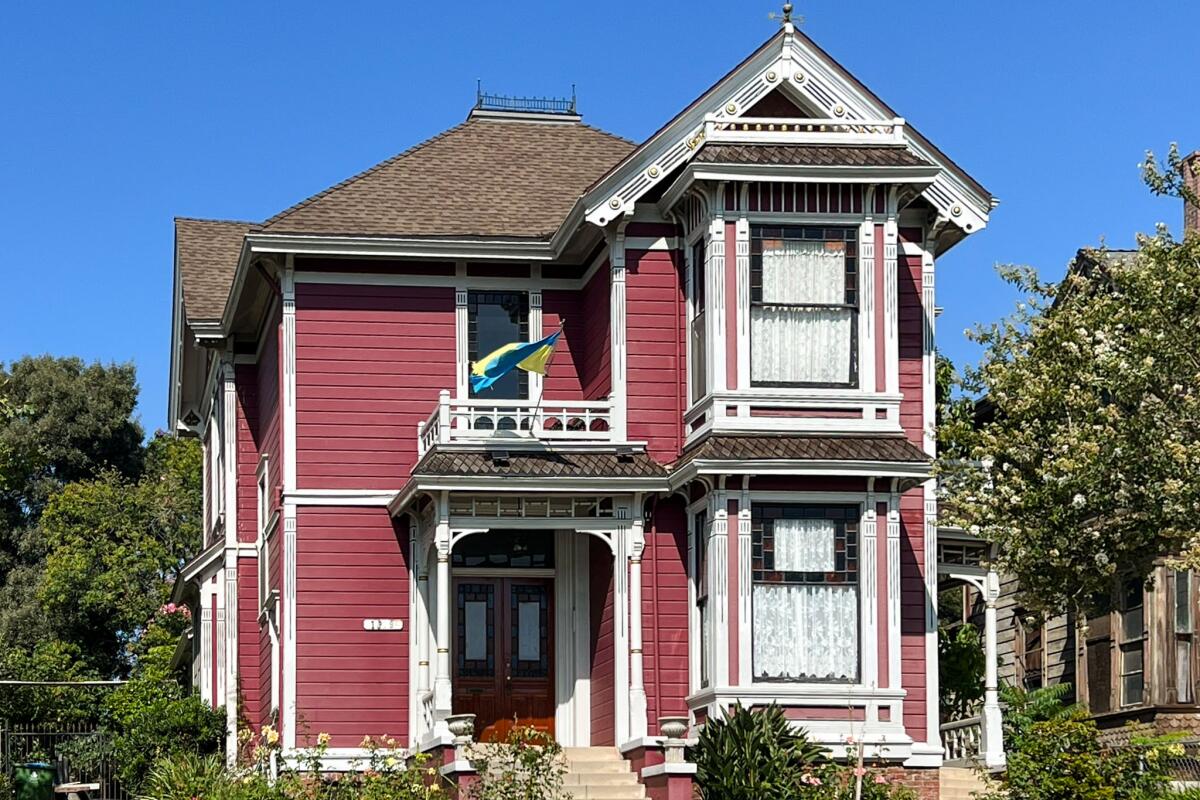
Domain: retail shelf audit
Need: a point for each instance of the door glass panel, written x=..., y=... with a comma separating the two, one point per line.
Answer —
x=530, y=631
x=529, y=642
x=476, y=634
x=475, y=630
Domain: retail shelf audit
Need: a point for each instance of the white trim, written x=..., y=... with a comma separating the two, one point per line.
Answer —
x=396, y=247
x=894, y=610
x=229, y=445
x=742, y=303
x=714, y=274
x=289, y=715
x=891, y=298
x=619, y=353
x=657, y=770
x=507, y=485
x=462, y=329
x=572, y=670
x=919, y=470
x=866, y=298
x=341, y=497
x=289, y=626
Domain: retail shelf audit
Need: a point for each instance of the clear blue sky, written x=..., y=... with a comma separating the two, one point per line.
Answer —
x=115, y=117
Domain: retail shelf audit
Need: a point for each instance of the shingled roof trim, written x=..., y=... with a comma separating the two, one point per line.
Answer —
x=207, y=251
x=810, y=155
x=538, y=464
x=891, y=449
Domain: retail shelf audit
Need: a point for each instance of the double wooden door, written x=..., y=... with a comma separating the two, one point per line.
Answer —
x=503, y=653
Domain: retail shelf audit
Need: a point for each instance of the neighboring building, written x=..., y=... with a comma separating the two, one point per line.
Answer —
x=720, y=493
x=1135, y=663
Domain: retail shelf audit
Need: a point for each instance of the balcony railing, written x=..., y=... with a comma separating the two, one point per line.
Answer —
x=963, y=739
x=509, y=421
x=803, y=131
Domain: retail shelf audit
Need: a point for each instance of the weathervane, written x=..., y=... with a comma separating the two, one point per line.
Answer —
x=786, y=17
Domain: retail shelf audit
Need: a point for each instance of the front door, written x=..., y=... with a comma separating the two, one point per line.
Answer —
x=502, y=653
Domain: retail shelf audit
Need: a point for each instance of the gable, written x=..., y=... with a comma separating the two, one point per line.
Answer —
x=787, y=70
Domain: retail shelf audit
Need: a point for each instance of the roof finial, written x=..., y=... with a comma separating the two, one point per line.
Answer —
x=785, y=19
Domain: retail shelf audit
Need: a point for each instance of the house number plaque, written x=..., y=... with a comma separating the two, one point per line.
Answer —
x=383, y=624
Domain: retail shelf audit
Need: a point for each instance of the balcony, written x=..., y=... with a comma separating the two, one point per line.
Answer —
x=783, y=130
x=492, y=422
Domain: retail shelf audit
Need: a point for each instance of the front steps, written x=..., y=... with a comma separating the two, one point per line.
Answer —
x=960, y=783
x=599, y=773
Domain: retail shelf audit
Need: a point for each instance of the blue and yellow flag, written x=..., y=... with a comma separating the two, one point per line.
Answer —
x=529, y=356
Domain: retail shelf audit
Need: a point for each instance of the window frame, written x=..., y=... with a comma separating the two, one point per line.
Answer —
x=849, y=530
x=1023, y=630
x=1184, y=637
x=849, y=236
x=1127, y=643
x=703, y=613
x=698, y=378
x=267, y=522
x=474, y=297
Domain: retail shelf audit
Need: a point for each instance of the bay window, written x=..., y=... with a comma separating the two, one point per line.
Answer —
x=804, y=306
x=805, y=592
x=1133, y=644
x=1183, y=636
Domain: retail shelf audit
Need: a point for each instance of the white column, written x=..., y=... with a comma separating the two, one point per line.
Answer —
x=745, y=586
x=893, y=585
x=891, y=296
x=462, y=355
x=638, y=725
x=229, y=626
x=536, y=381
x=869, y=572
x=993, y=737
x=442, y=605
x=742, y=265
x=714, y=274
x=289, y=714
x=621, y=686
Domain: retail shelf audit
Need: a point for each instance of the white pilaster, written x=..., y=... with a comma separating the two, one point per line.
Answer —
x=891, y=296
x=617, y=334
x=869, y=572
x=714, y=274
x=621, y=683
x=894, y=591
x=742, y=265
x=638, y=724
x=229, y=634
x=290, y=716
x=929, y=409
x=718, y=591
x=536, y=381
x=745, y=586
x=462, y=354
x=207, y=689
x=866, y=299
x=442, y=607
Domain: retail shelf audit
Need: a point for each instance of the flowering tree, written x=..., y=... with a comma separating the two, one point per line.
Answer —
x=1082, y=459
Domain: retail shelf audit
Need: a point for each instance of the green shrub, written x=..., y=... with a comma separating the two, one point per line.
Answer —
x=747, y=755
x=526, y=764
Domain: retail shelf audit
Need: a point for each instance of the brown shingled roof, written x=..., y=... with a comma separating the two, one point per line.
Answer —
x=485, y=177
x=810, y=155
x=540, y=464
x=893, y=448
x=207, y=251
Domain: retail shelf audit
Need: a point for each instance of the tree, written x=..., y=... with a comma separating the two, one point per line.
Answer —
x=114, y=547
x=1087, y=465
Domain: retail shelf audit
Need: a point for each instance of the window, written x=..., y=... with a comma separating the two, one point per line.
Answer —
x=803, y=306
x=697, y=368
x=495, y=319
x=1132, y=644
x=265, y=525
x=701, y=532
x=805, y=592
x=1183, y=636
x=1099, y=663
x=1031, y=652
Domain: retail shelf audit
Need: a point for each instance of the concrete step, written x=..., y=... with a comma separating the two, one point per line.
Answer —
x=635, y=792
x=598, y=767
x=592, y=754
x=960, y=783
x=626, y=778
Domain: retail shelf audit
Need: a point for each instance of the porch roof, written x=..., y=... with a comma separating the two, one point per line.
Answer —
x=810, y=155
x=538, y=464
x=892, y=449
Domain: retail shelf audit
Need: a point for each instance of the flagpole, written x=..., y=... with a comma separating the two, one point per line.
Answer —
x=533, y=423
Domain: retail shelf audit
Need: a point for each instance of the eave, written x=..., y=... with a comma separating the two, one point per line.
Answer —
x=905, y=470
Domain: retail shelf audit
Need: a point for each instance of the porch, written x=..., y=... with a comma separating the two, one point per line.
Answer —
x=977, y=738
x=528, y=607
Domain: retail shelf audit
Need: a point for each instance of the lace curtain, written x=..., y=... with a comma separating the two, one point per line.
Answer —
x=805, y=632
x=801, y=345
x=805, y=545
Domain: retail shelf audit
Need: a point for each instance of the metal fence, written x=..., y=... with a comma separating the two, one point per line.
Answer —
x=78, y=752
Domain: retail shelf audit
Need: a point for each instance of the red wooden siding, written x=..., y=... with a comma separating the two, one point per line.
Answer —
x=912, y=611
x=351, y=566
x=249, y=676
x=665, y=612
x=595, y=365
x=563, y=381
x=912, y=347
x=654, y=337
x=370, y=361
x=603, y=655
x=245, y=377
x=268, y=432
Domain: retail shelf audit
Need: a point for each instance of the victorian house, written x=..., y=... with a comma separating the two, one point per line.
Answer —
x=719, y=493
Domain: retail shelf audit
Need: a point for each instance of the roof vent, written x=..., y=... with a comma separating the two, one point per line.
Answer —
x=499, y=457
x=556, y=109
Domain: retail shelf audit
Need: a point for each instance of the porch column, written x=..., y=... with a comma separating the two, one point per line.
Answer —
x=637, y=687
x=441, y=681
x=992, y=735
